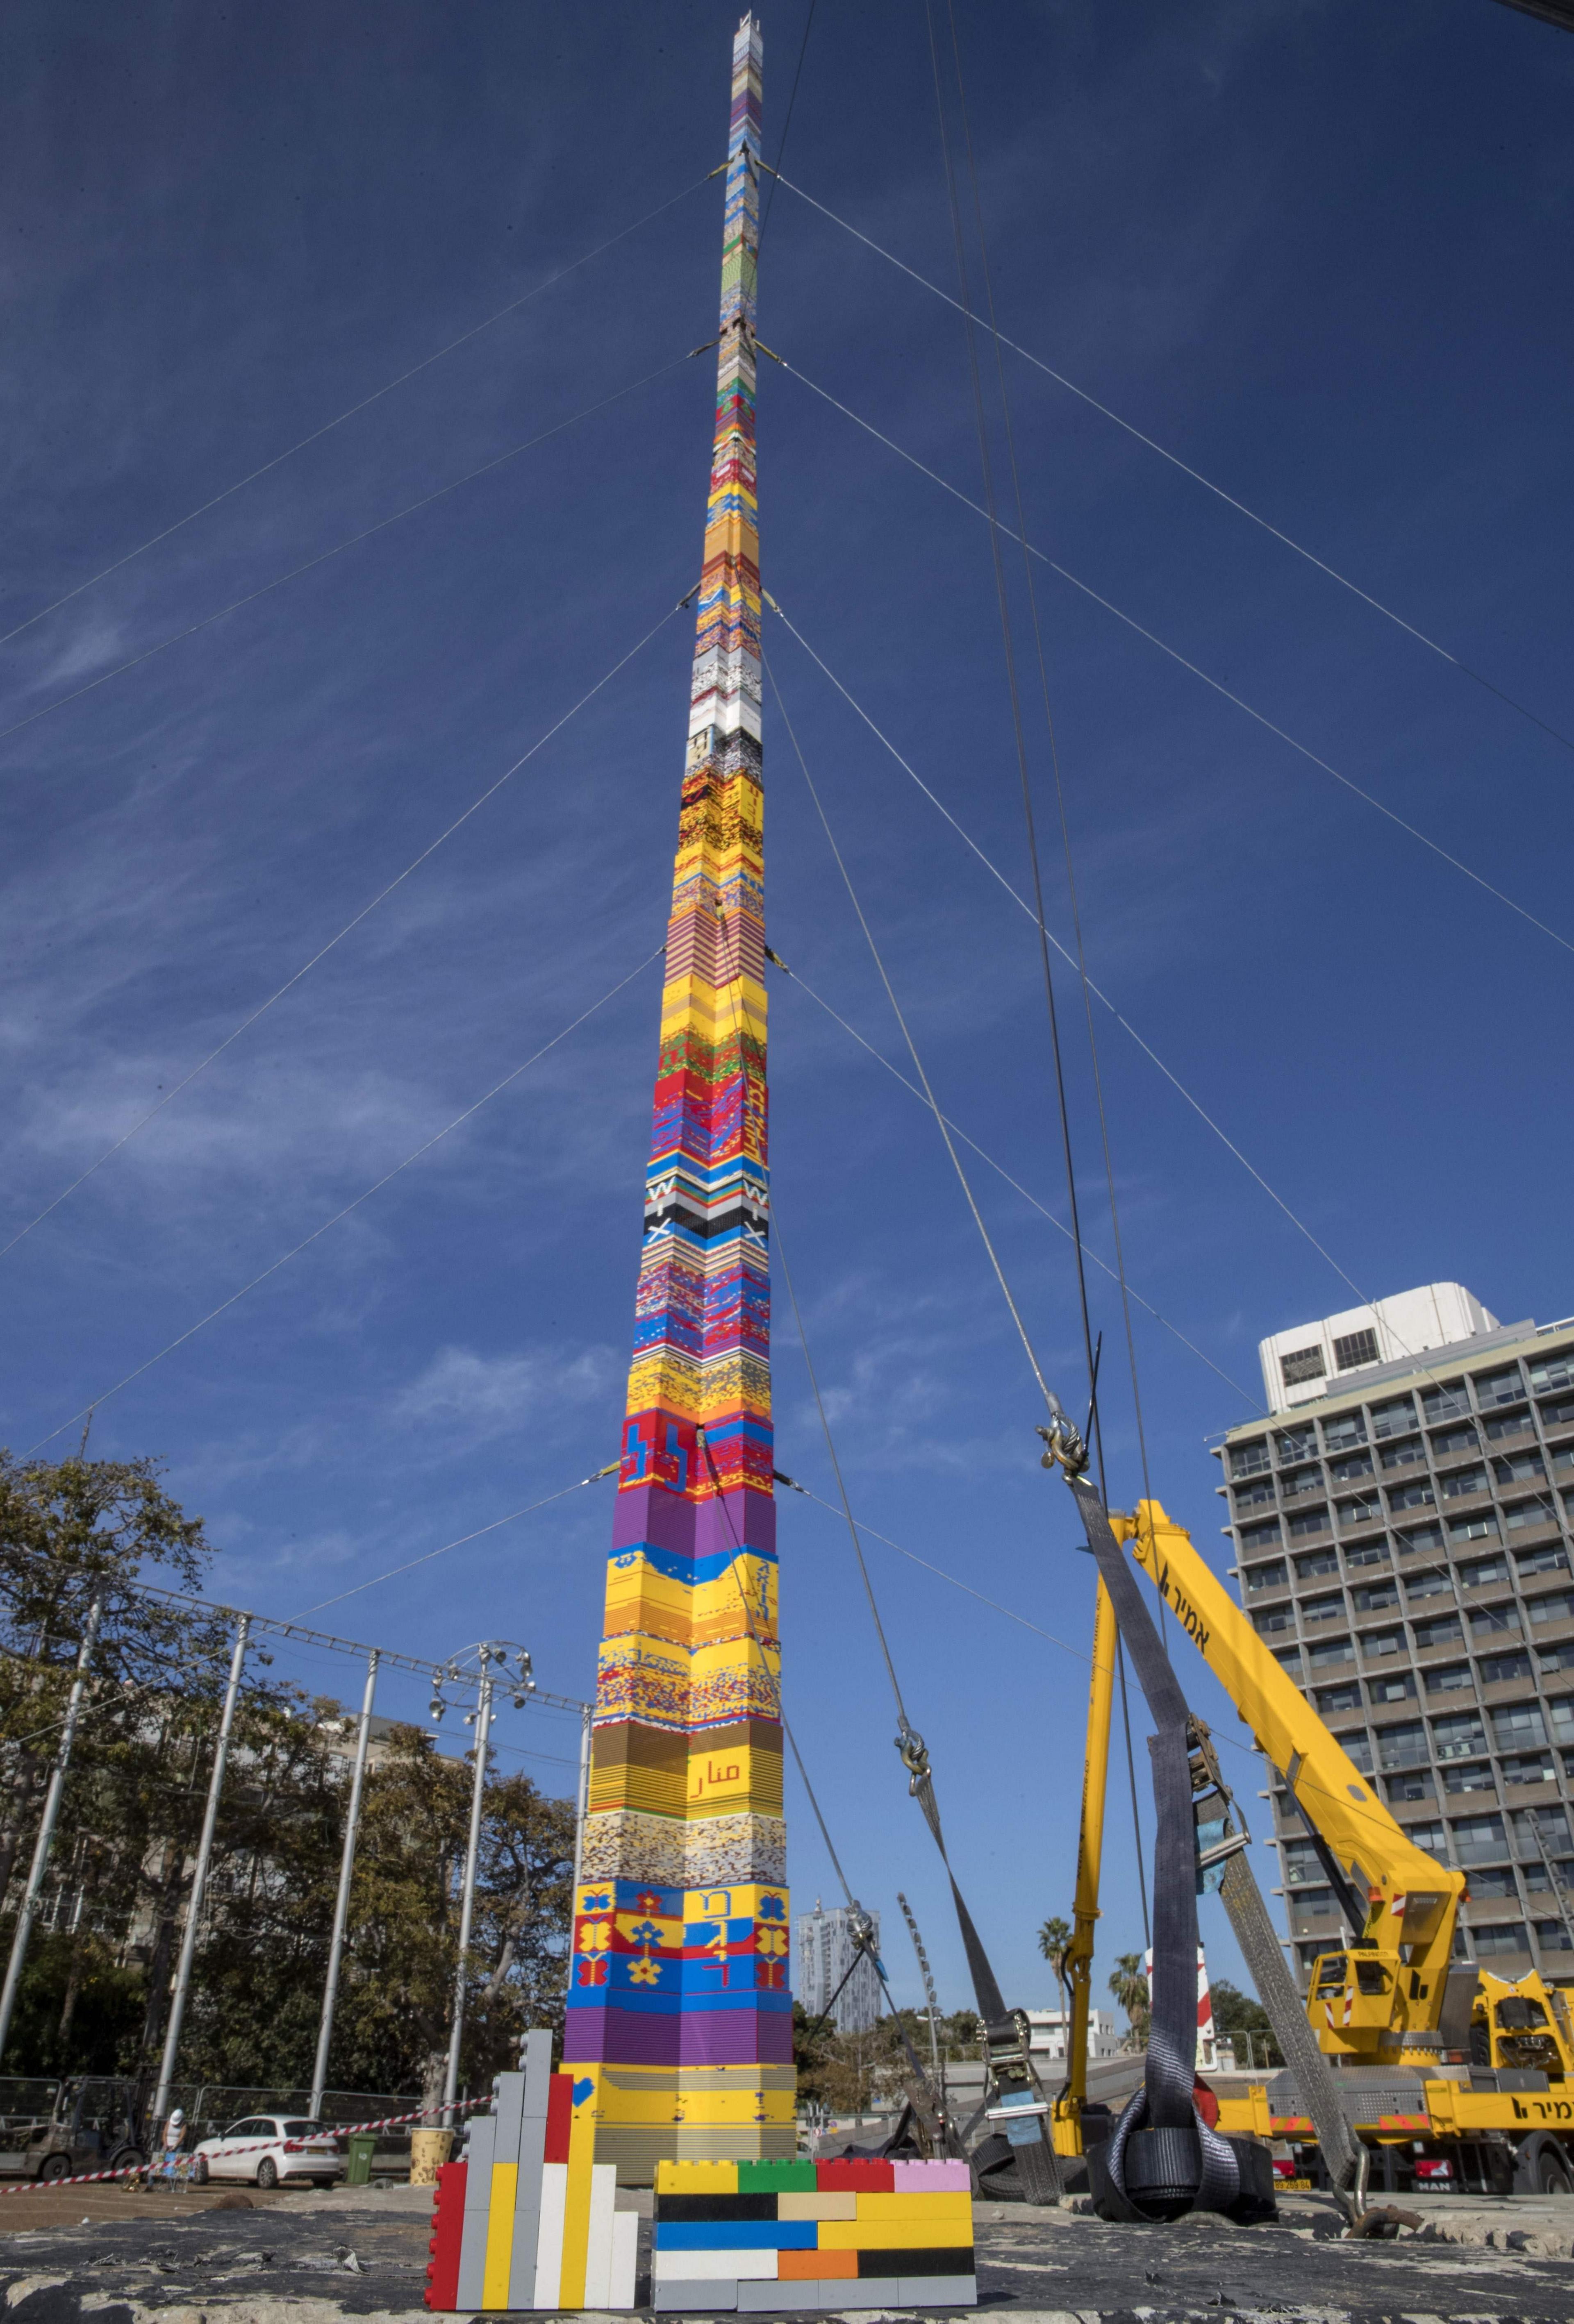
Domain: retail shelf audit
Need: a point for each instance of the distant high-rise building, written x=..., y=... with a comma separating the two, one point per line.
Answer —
x=826, y=1952
x=1402, y=1535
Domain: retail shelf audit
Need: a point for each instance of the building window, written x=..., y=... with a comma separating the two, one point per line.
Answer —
x=1391, y=1419
x=1535, y=1830
x=1508, y=1423
x=1290, y=1657
x=1503, y=1937
x=1252, y=1496
x=1528, y=1767
x=1558, y=1415
x=1429, y=1837
x=1398, y=1686
x=1469, y=1775
x=1349, y=1428
x=1358, y=1749
x=1498, y=1669
x=1494, y=1621
x=1366, y=1510
x=1426, y=1536
x=1449, y=1402
x=1481, y=1527
x=1296, y=1443
x=1442, y=1630
x=1553, y=1938
x=1302, y=1365
x=1403, y=1747
x=1313, y=1568
x=1493, y=1880
x=1557, y=1606
x=1415, y=1784
x=1366, y=1553
x=1374, y=1597
x=1459, y=1736
x=1308, y=1521
x=1498, y=1387
x=1355, y=1349
x=1300, y=1480
x=1559, y=1657
x=1405, y=1456
x=1255, y=1539
x=1325, y=1610
x=1479, y=1573
x=1463, y=1481
x=1417, y=1495
x=1480, y=1840
x=1450, y=1678
x=1313, y=1901
x=1511, y=1466
x=1515, y=1725
x=1267, y=1577
x=1554, y=1371
x=1273, y=1620
x=1249, y=1459
x=1532, y=1513
x=1377, y=1644
x=1431, y=1582
x=1331, y=1700
x=1360, y=1465
x=1329, y=1651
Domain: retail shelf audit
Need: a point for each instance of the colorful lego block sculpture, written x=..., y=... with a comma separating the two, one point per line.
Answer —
x=679, y=2013
x=778, y=2236
x=527, y=2220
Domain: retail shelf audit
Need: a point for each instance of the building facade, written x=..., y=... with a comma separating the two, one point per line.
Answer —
x=1402, y=1543
x=826, y=1952
x=1047, y=2036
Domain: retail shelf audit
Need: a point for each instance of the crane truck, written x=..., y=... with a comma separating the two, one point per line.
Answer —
x=1442, y=2072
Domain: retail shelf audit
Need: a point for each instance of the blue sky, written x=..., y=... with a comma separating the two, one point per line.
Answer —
x=1321, y=251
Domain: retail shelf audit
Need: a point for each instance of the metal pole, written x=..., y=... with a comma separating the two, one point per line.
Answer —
x=468, y=1893
x=582, y=1802
x=46, y=1830
x=342, y=1901
x=200, y=1876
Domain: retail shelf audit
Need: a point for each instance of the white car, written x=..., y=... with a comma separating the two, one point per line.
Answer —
x=270, y=2150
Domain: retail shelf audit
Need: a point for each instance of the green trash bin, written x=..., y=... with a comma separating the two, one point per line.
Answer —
x=361, y=2147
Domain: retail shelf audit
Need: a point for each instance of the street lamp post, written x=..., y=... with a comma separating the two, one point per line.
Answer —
x=342, y=1901
x=468, y=1891
x=46, y=1829
x=200, y=1876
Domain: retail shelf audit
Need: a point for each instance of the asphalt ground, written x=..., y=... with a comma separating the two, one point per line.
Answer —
x=311, y=2259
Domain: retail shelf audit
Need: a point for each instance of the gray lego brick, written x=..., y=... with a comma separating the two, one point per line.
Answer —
x=508, y=2105
x=938, y=2292
x=717, y=2295
x=535, y=2057
x=477, y=2203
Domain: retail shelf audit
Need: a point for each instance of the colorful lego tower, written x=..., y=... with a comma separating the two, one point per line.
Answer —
x=679, y=2004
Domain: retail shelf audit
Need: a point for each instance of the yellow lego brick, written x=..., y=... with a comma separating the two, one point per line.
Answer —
x=576, y=2210
x=697, y=2178
x=893, y=2234
x=941, y=2208
x=499, y=2235
x=817, y=2207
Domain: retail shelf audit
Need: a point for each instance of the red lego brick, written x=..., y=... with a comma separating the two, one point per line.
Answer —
x=854, y=2178
x=448, y=2225
x=559, y=2116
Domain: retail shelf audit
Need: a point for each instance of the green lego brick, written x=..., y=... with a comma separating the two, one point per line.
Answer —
x=776, y=2178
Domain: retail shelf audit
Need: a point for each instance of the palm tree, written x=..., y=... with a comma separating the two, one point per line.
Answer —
x=1054, y=1939
x=1129, y=1986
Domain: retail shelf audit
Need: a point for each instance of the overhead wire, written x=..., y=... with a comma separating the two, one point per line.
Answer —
x=1297, y=548
x=349, y=927
x=326, y=556
x=386, y=1179
x=1183, y=661
x=365, y=402
x=796, y=977
x=786, y=125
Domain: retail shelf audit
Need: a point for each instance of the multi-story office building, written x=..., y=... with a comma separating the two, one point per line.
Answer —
x=1402, y=1527
x=825, y=1954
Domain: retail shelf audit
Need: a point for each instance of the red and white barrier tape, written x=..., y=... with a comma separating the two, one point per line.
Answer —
x=254, y=2146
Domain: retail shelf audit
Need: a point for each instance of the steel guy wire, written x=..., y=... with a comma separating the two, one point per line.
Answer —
x=376, y=1187
x=348, y=929
x=327, y=555
x=1196, y=475
x=366, y=401
x=796, y=977
x=1173, y=653
x=1048, y=1394
x=786, y=125
x=1073, y=899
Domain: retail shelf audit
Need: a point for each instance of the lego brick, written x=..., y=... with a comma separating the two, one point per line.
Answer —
x=777, y=2179
x=499, y=2236
x=507, y=2107
x=560, y=2118
x=548, y=2250
x=777, y=2299
x=896, y=2260
x=817, y=2266
x=695, y=2177
x=937, y=2178
x=447, y=2230
x=623, y=2264
x=937, y=2291
x=695, y=2267
x=599, y=2236
x=834, y=2298
x=717, y=2206
x=734, y=2235
x=477, y=2213
x=920, y=2209
x=535, y=2058
x=895, y=2235
x=527, y=2194
x=817, y=2207
x=715, y=2296
x=582, y=2188
x=854, y=2178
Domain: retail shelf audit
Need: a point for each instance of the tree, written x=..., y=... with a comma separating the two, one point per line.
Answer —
x=1129, y=1986
x=1236, y=2014
x=1054, y=1942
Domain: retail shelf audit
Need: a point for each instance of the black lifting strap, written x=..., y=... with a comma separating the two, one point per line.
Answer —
x=1020, y=2105
x=1161, y=2158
